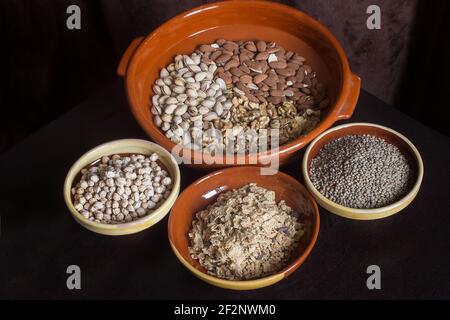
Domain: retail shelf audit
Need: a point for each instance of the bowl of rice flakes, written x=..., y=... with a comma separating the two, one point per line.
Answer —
x=237, y=229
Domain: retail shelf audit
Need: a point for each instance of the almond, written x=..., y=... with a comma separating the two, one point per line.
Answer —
x=228, y=52
x=230, y=46
x=278, y=64
x=276, y=93
x=281, y=54
x=273, y=50
x=220, y=42
x=243, y=57
x=298, y=58
x=293, y=65
x=206, y=48
x=246, y=78
x=206, y=60
x=231, y=64
x=236, y=72
x=215, y=55
x=281, y=85
x=261, y=45
x=271, y=80
x=254, y=66
x=225, y=77
x=274, y=100
x=262, y=56
x=247, y=52
x=287, y=72
x=305, y=69
x=264, y=66
x=242, y=87
x=250, y=46
x=291, y=79
x=300, y=76
x=289, y=55
x=224, y=57
x=260, y=78
x=263, y=87
x=244, y=68
x=235, y=57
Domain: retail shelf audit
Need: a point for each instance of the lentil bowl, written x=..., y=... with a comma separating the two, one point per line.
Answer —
x=391, y=137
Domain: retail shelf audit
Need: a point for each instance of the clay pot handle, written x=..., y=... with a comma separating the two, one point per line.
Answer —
x=347, y=109
x=126, y=57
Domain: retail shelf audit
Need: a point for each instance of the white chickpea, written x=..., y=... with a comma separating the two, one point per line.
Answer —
x=154, y=157
x=84, y=184
x=151, y=204
x=166, y=181
x=141, y=212
x=155, y=198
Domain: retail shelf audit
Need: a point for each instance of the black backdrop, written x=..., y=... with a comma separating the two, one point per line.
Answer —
x=48, y=69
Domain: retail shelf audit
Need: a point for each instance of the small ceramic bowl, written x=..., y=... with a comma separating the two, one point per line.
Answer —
x=237, y=20
x=205, y=191
x=390, y=136
x=119, y=147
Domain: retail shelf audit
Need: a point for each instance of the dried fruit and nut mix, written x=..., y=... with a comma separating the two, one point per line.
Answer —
x=245, y=234
x=121, y=188
x=236, y=85
x=361, y=171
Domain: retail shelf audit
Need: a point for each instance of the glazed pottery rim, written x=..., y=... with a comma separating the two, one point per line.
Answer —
x=73, y=172
x=294, y=264
x=405, y=199
x=331, y=117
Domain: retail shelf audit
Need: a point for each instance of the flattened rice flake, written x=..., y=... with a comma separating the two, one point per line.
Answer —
x=245, y=234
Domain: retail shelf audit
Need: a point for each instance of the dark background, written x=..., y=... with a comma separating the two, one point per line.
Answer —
x=48, y=69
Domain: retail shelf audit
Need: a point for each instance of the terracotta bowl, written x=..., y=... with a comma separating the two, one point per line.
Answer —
x=205, y=191
x=118, y=147
x=390, y=136
x=235, y=20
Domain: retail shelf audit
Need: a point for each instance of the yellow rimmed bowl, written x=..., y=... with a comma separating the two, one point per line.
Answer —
x=124, y=146
x=205, y=191
x=390, y=136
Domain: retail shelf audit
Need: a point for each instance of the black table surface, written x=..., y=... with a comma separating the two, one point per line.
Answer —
x=39, y=238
